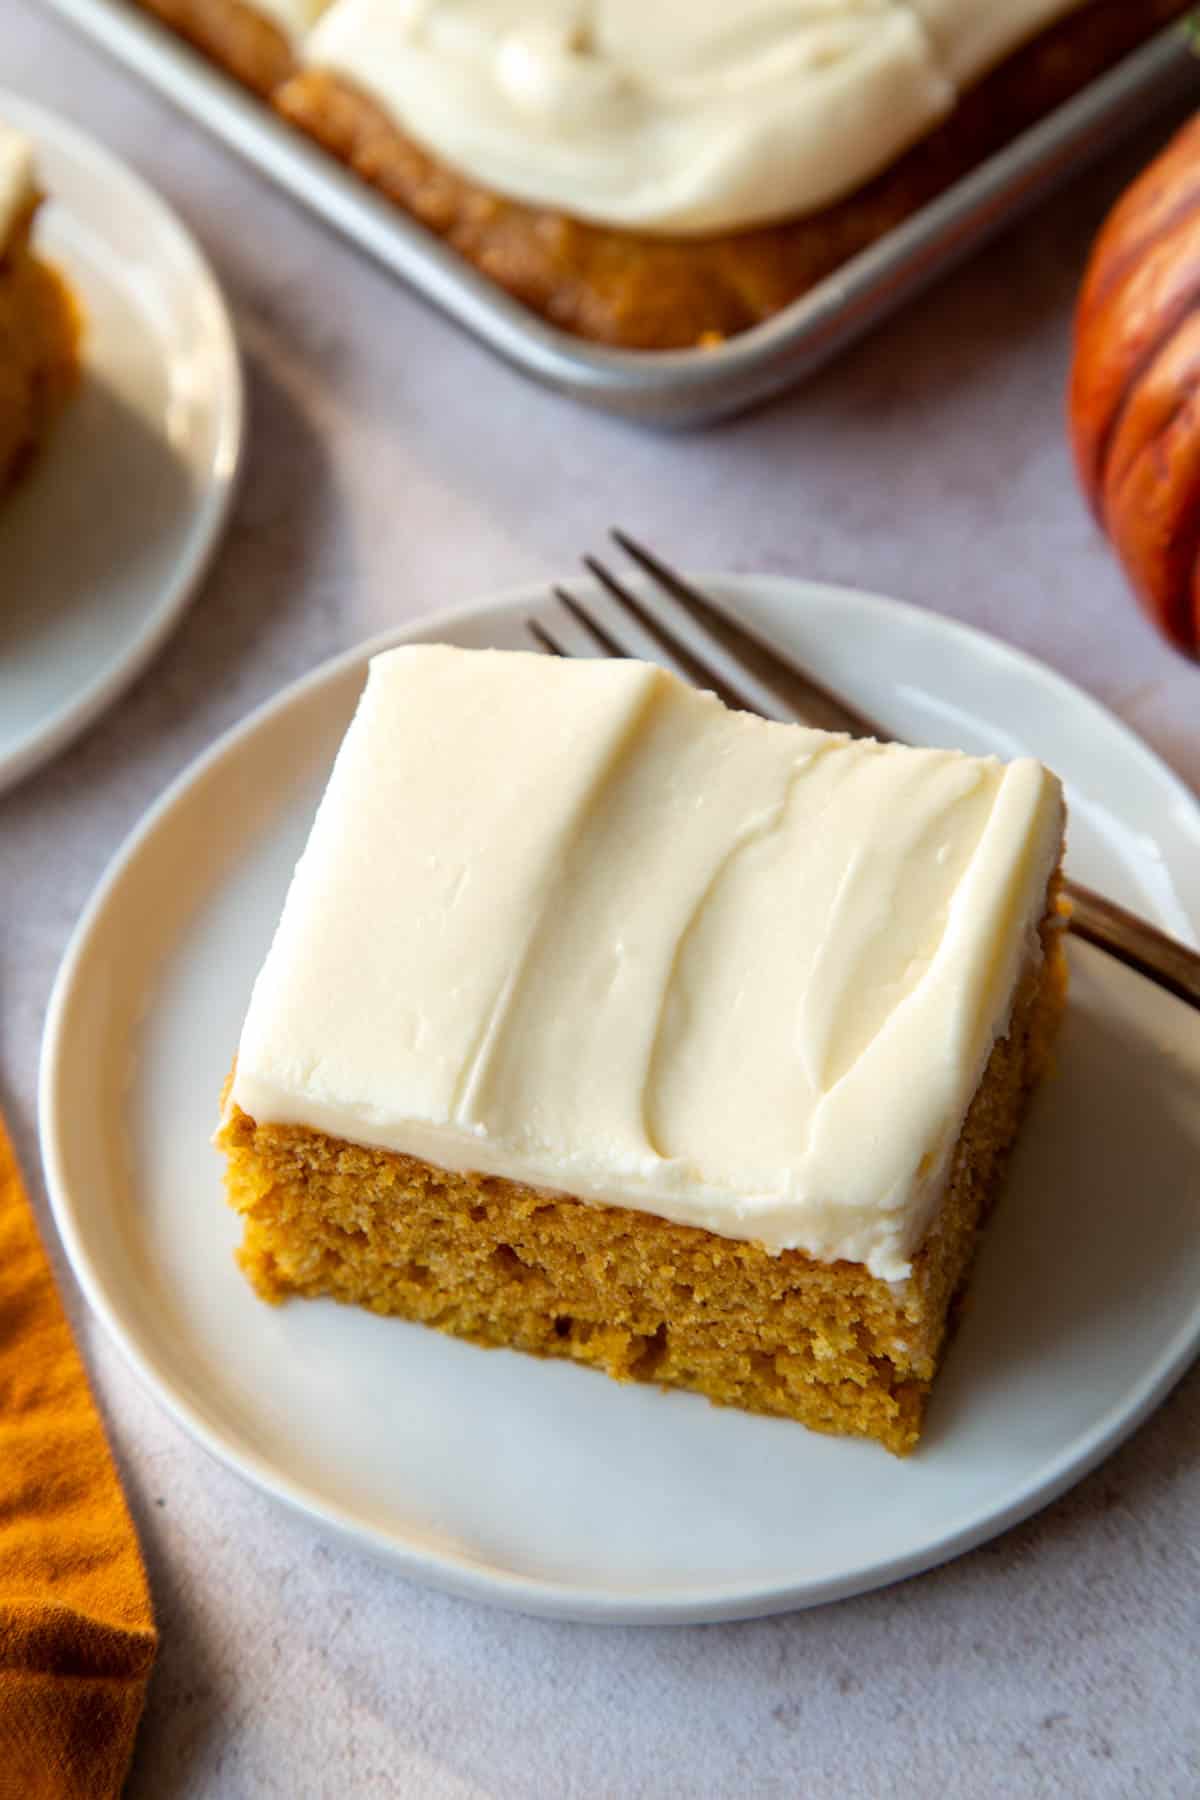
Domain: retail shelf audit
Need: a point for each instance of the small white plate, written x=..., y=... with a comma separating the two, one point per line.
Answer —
x=104, y=542
x=542, y=1486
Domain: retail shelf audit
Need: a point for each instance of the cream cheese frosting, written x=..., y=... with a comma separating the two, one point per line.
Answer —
x=17, y=186
x=576, y=924
x=680, y=116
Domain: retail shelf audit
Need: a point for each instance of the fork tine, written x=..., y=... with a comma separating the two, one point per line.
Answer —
x=606, y=641
x=799, y=693
x=698, y=672
x=547, y=643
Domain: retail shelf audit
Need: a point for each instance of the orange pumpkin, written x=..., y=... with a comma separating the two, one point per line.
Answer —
x=1135, y=386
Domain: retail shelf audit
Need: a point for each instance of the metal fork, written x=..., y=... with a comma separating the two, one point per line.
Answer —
x=797, y=696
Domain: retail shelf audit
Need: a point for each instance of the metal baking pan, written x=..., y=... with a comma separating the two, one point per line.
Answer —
x=665, y=387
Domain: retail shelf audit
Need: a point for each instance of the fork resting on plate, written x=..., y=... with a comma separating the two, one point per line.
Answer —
x=800, y=698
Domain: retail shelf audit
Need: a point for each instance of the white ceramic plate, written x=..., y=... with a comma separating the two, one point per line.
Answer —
x=105, y=541
x=542, y=1486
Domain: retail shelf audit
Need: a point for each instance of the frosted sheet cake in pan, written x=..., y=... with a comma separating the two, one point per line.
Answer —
x=659, y=177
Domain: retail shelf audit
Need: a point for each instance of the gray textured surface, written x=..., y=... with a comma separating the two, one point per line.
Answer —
x=394, y=467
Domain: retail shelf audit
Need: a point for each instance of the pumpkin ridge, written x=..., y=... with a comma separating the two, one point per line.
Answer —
x=1131, y=381
x=1179, y=549
x=1133, y=397
x=1142, y=217
x=1116, y=264
x=1184, y=391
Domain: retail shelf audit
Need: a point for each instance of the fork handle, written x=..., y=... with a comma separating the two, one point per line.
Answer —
x=1135, y=942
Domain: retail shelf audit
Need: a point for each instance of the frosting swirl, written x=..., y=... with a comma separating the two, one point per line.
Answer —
x=681, y=116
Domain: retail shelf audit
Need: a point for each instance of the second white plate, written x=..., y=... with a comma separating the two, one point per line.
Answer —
x=542, y=1486
x=105, y=540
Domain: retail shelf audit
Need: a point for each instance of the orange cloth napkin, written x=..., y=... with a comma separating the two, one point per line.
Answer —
x=77, y=1637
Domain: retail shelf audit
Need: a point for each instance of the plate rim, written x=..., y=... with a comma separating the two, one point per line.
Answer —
x=210, y=511
x=462, y=1574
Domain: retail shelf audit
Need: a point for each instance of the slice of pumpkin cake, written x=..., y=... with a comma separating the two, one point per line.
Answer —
x=606, y=1023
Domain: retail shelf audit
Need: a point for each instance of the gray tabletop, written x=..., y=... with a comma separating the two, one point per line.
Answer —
x=394, y=467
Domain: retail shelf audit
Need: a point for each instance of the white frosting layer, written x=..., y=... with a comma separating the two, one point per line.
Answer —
x=680, y=116
x=17, y=187
x=575, y=924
